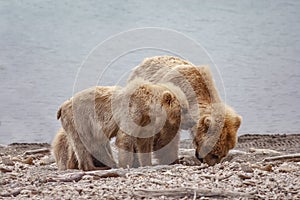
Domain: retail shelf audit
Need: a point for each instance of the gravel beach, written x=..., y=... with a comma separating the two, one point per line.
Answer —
x=260, y=167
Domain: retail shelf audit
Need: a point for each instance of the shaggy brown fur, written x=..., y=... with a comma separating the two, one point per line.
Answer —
x=64, y=154
x=92, y=117
x=163, y=142
x=217, y=123
x=62, y=151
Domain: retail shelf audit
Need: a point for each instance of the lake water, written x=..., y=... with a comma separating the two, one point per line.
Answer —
x=255, y=44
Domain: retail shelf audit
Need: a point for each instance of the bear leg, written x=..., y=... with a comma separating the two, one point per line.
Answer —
x=144, y=149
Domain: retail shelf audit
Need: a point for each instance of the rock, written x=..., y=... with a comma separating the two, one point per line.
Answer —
x=245, y=173
x=47, y=160
x=232, y=154
x=267, y=167
x=28, y=161
x=285, y=168
x=87, y=177
x=25, y=192
x=10, y=194
x=7, y=161
x=244, y=176
x=235, y=166
x=187, y=152
x=247, y=168
x=189, y=161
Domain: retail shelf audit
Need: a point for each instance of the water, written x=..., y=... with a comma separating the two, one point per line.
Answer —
x=255, y=44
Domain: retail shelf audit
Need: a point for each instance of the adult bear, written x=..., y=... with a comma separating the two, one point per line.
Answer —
x=217, y=123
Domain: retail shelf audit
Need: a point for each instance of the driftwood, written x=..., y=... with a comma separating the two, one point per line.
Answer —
x=10, y=162
x=37, y=151
x=267, y=168
x=217, y=178
x=77, y=176
x=293, y=157
x=4, y=170
x=189, y=192
x=71, y=177
x=107, y=173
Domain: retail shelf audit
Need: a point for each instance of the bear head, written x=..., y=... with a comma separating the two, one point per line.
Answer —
x=216, y=133
x=150, y=107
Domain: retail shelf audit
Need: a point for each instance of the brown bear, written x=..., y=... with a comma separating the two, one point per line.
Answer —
x=137, y=151
x=217, y=123
x=62, y=151
x=95, y=115
x=65, y=155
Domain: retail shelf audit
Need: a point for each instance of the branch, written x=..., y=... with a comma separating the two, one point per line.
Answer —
x=293, y=157
x=189, y=192
x=36, y=151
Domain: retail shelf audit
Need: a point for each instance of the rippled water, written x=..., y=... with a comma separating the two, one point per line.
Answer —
x=255, y=45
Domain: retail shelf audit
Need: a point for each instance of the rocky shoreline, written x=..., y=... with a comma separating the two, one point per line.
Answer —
x=260, y=167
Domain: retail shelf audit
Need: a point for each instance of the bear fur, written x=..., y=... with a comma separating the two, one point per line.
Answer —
x=95, y=115
x=164, y=143
x=65, y=155
x=62, y=151
x=217, y=123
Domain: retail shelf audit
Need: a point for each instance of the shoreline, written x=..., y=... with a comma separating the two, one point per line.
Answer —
x=261, y=166
x=239, y=136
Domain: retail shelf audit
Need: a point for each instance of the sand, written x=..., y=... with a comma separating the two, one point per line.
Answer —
x=260, y=167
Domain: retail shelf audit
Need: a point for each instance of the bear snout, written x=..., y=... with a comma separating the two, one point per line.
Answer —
x=198, y=157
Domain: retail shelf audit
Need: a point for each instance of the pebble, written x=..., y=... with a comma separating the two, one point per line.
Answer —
x=285, y=170
x=28, y=161
x=7, y=161
x=246, y=168
x=261, y=180
x=235, y=166
x=87, y=177
x=47, y=160
x=25, y=192
x=243, y=176
x=267, y=167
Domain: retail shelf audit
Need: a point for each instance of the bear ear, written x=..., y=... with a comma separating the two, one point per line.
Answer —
x=167, y=97
x=238, y=122
x=207, y=121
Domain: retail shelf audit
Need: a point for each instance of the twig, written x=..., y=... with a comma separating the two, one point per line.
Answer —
x=4, y=170
x=294, y=157
x=36, y=151
x=189, y=192
x=107, y=173
x=215, y=177
x=71, y=177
